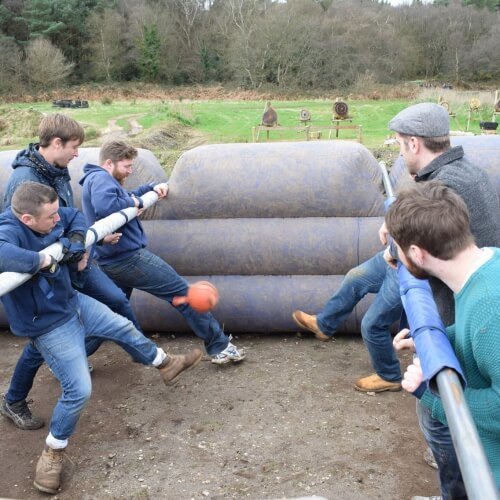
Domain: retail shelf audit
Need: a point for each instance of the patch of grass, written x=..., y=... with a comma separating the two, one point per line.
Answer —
x=18, y=125
x=231, y=121
x=91, y=133
x=225, y=121
x=123, y=122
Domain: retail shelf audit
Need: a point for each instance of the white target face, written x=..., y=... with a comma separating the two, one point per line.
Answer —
x=305, y=115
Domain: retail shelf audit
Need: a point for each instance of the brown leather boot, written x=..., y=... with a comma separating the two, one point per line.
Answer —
x=308, y=322
x=175, y=364
x=48, y=470
x=374, y=383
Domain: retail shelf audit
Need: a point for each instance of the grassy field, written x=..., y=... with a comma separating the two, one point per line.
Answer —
x=220, y=121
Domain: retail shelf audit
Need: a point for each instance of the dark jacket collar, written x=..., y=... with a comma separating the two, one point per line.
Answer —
x=31, y=157
x=448, y=156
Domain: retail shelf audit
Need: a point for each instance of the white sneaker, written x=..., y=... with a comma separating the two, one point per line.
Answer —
x=229, y=355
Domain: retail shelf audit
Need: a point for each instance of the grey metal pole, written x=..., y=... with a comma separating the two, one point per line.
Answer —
x=476, y=471
x=385, y=179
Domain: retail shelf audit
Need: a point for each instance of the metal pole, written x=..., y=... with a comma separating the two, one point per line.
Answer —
x=9, y=281
x=476, y=471
x=385, y=179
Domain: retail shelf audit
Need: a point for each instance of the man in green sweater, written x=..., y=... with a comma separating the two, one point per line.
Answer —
x=430, y=226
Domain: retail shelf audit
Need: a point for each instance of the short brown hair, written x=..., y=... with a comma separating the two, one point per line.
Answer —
x=29, y=197
x=61, y=126
x=433, y=144
x=116, y=151
x=437, y=144
x=431, y=216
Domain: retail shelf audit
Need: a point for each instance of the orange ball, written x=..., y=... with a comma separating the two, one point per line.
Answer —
x=202, y=296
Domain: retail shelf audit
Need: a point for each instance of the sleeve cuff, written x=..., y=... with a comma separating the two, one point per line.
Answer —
x=419, y=392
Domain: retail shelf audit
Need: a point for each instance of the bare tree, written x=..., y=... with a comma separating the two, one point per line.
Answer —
x=188, y=14
x=287, y=36
x=106, y=46
x=11, y=64
x=286, y=43
x=45, y=64
x=247, y=61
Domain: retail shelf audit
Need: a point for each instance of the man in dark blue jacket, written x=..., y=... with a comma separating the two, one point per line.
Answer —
x=128, y=262
x=59, y=320
x=46, y=163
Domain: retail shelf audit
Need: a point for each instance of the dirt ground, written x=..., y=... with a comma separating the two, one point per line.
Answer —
x=284, y=423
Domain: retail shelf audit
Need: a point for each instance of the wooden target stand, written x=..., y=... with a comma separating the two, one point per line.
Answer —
x=453, y=116
x=339, y=124
x=311, y=132
x=340, y=118
x=474, y=105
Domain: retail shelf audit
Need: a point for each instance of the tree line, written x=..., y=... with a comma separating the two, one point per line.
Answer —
x=292, y=44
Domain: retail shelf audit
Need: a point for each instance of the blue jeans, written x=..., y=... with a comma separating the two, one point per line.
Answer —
x=373, y=276
x=438, y=438
x=96, y=285
x=147, y=272
x=64, y=351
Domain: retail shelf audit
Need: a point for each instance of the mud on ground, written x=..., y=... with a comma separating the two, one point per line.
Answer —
x=284, y=423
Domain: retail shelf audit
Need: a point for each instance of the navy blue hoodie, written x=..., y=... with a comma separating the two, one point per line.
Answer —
x=103, y=195
x=30, y=165
x=42, y=303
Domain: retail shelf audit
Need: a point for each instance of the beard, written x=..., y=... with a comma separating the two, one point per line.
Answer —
x=119, y=178
x=416, y=270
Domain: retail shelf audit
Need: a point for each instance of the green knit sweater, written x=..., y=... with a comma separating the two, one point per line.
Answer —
x=475, y=338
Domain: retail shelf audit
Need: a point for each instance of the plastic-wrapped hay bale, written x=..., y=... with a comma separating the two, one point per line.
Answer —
x=274, y=226
x=258, y=304
x=311, y=179
x=309, y=246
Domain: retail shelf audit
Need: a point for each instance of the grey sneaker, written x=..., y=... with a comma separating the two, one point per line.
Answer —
x=230, y=354
x=21, y=415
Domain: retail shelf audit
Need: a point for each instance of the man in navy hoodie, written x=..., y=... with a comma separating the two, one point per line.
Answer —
x=59, y=320
x=128, y=263
x=47, y=163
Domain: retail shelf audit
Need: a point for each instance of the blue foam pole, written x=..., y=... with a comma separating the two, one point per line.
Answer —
x=427, y=329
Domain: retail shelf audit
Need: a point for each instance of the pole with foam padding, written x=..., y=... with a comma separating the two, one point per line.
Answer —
x=9, y=281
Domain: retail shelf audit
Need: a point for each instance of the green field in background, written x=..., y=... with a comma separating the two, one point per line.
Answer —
x=232, y=121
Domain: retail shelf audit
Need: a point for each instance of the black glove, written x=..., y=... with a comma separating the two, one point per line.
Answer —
x=73, y=248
